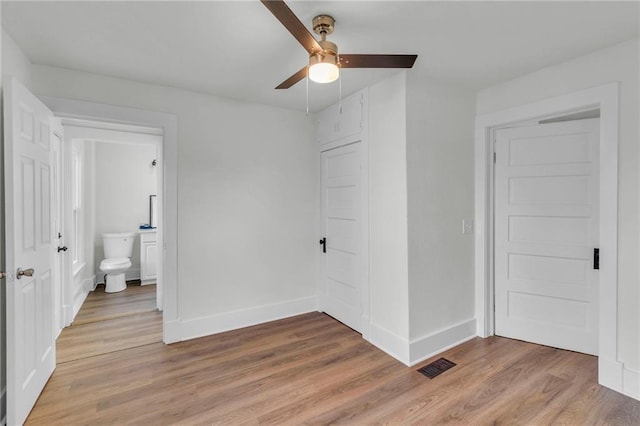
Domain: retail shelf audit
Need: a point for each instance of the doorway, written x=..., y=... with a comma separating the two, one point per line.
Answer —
x=111, y=177
x=605, y=99
x=546, y=231
x=124, y=118
x=342, y=243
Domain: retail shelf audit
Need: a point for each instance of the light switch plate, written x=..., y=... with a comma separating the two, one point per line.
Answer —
x=467, y=226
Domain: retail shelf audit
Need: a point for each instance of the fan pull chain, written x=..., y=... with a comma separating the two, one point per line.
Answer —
x=307, y=91
x=340, y=91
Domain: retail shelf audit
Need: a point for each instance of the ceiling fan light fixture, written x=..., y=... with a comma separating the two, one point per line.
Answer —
x=323, y=68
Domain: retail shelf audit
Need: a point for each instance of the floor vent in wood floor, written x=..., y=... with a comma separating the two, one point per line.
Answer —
x=436, y=367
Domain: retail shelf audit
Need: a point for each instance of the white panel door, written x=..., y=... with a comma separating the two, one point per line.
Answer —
x=341, y=287
x=31, y=356
x=546, y=229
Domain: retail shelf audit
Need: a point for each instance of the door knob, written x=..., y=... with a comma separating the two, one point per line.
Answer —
x=26, y=273
x=62, y=249
x=3, y=275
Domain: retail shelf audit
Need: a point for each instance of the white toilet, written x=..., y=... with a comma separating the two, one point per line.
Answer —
x=118, y=248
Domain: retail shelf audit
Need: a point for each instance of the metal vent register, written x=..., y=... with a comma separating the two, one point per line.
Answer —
x=436, y=368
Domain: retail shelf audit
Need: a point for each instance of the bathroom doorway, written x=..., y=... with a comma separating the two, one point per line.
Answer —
x=163, y=126
x=113, y=179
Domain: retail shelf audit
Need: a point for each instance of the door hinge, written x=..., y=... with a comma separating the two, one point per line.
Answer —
x=596, y=258
x=494, y=157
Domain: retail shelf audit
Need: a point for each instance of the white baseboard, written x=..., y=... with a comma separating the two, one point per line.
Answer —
x=389, y=342
x=198, y=327
x=614, y=375
x=67, y=314
x=81, y=294
x=435, y=343
x=610, y=373
x=631, y=383
x=171, y=331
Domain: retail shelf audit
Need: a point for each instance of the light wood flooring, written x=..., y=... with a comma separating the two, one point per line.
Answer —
x=311, y=369
x=111, y=322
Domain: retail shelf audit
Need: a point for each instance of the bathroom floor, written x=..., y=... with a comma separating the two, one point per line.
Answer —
x=100, y=306
x=112, y=322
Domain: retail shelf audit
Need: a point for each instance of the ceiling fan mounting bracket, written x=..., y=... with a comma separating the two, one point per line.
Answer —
x=323, y=24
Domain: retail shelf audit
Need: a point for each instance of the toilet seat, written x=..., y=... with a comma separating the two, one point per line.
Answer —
x=116, y=263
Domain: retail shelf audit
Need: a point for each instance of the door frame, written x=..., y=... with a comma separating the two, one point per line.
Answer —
x=83, y=131
x=362, y=137
x=363, y=264
x=604, y=98
x=61, y=272
x=168, y=124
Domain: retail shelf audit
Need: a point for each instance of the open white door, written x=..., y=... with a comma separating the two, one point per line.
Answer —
x=546, y=222
x=31, y=355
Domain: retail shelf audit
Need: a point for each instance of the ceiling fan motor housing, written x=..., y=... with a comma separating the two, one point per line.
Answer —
x=329, y=54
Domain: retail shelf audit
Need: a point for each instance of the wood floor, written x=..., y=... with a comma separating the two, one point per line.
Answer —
x=100, y=306
x=311, y=369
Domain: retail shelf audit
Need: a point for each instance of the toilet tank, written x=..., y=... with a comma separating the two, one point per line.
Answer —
x=118, y=244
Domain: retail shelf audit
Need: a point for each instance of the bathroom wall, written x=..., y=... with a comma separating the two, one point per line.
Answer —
x=124, y=179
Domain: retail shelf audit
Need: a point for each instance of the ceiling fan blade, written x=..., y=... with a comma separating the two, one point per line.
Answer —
x=377, y=61
x=294, y=78
x=291, y=22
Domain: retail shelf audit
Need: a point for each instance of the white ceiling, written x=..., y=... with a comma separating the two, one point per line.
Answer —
x=237, y=49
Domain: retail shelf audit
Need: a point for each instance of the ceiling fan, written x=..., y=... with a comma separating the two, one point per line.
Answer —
x=324, y=60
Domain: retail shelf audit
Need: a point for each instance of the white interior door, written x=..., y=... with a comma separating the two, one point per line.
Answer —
x=546, y=229
x=341, y=277
x=31, y=356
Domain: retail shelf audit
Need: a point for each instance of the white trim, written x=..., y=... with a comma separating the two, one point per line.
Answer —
x=361, y=137
x=389, y=342
x=205, y=326
x=81, y=293
x=67, y=314
x=77, y=268
x=606, y=99
x=631, y=383
x=171, y=331
x=438, y=342
x=168, y=231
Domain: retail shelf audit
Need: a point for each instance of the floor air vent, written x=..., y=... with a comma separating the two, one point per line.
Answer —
x=436, y=367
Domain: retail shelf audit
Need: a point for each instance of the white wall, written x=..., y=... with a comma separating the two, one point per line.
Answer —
x=440, y=183
x=247, y=199
x=124, y=180
x=389, y=282
x=615, y=64
x=421, y=187
x=83, y=272
x=12, y=62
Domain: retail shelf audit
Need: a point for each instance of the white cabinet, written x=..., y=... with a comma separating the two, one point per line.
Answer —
x=148, y=256
x=333, y=125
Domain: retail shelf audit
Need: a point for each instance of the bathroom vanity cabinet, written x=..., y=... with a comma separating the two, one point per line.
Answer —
x=148, y=256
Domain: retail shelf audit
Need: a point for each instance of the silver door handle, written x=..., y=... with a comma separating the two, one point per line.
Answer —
x=3, y=275
x=26, y=273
